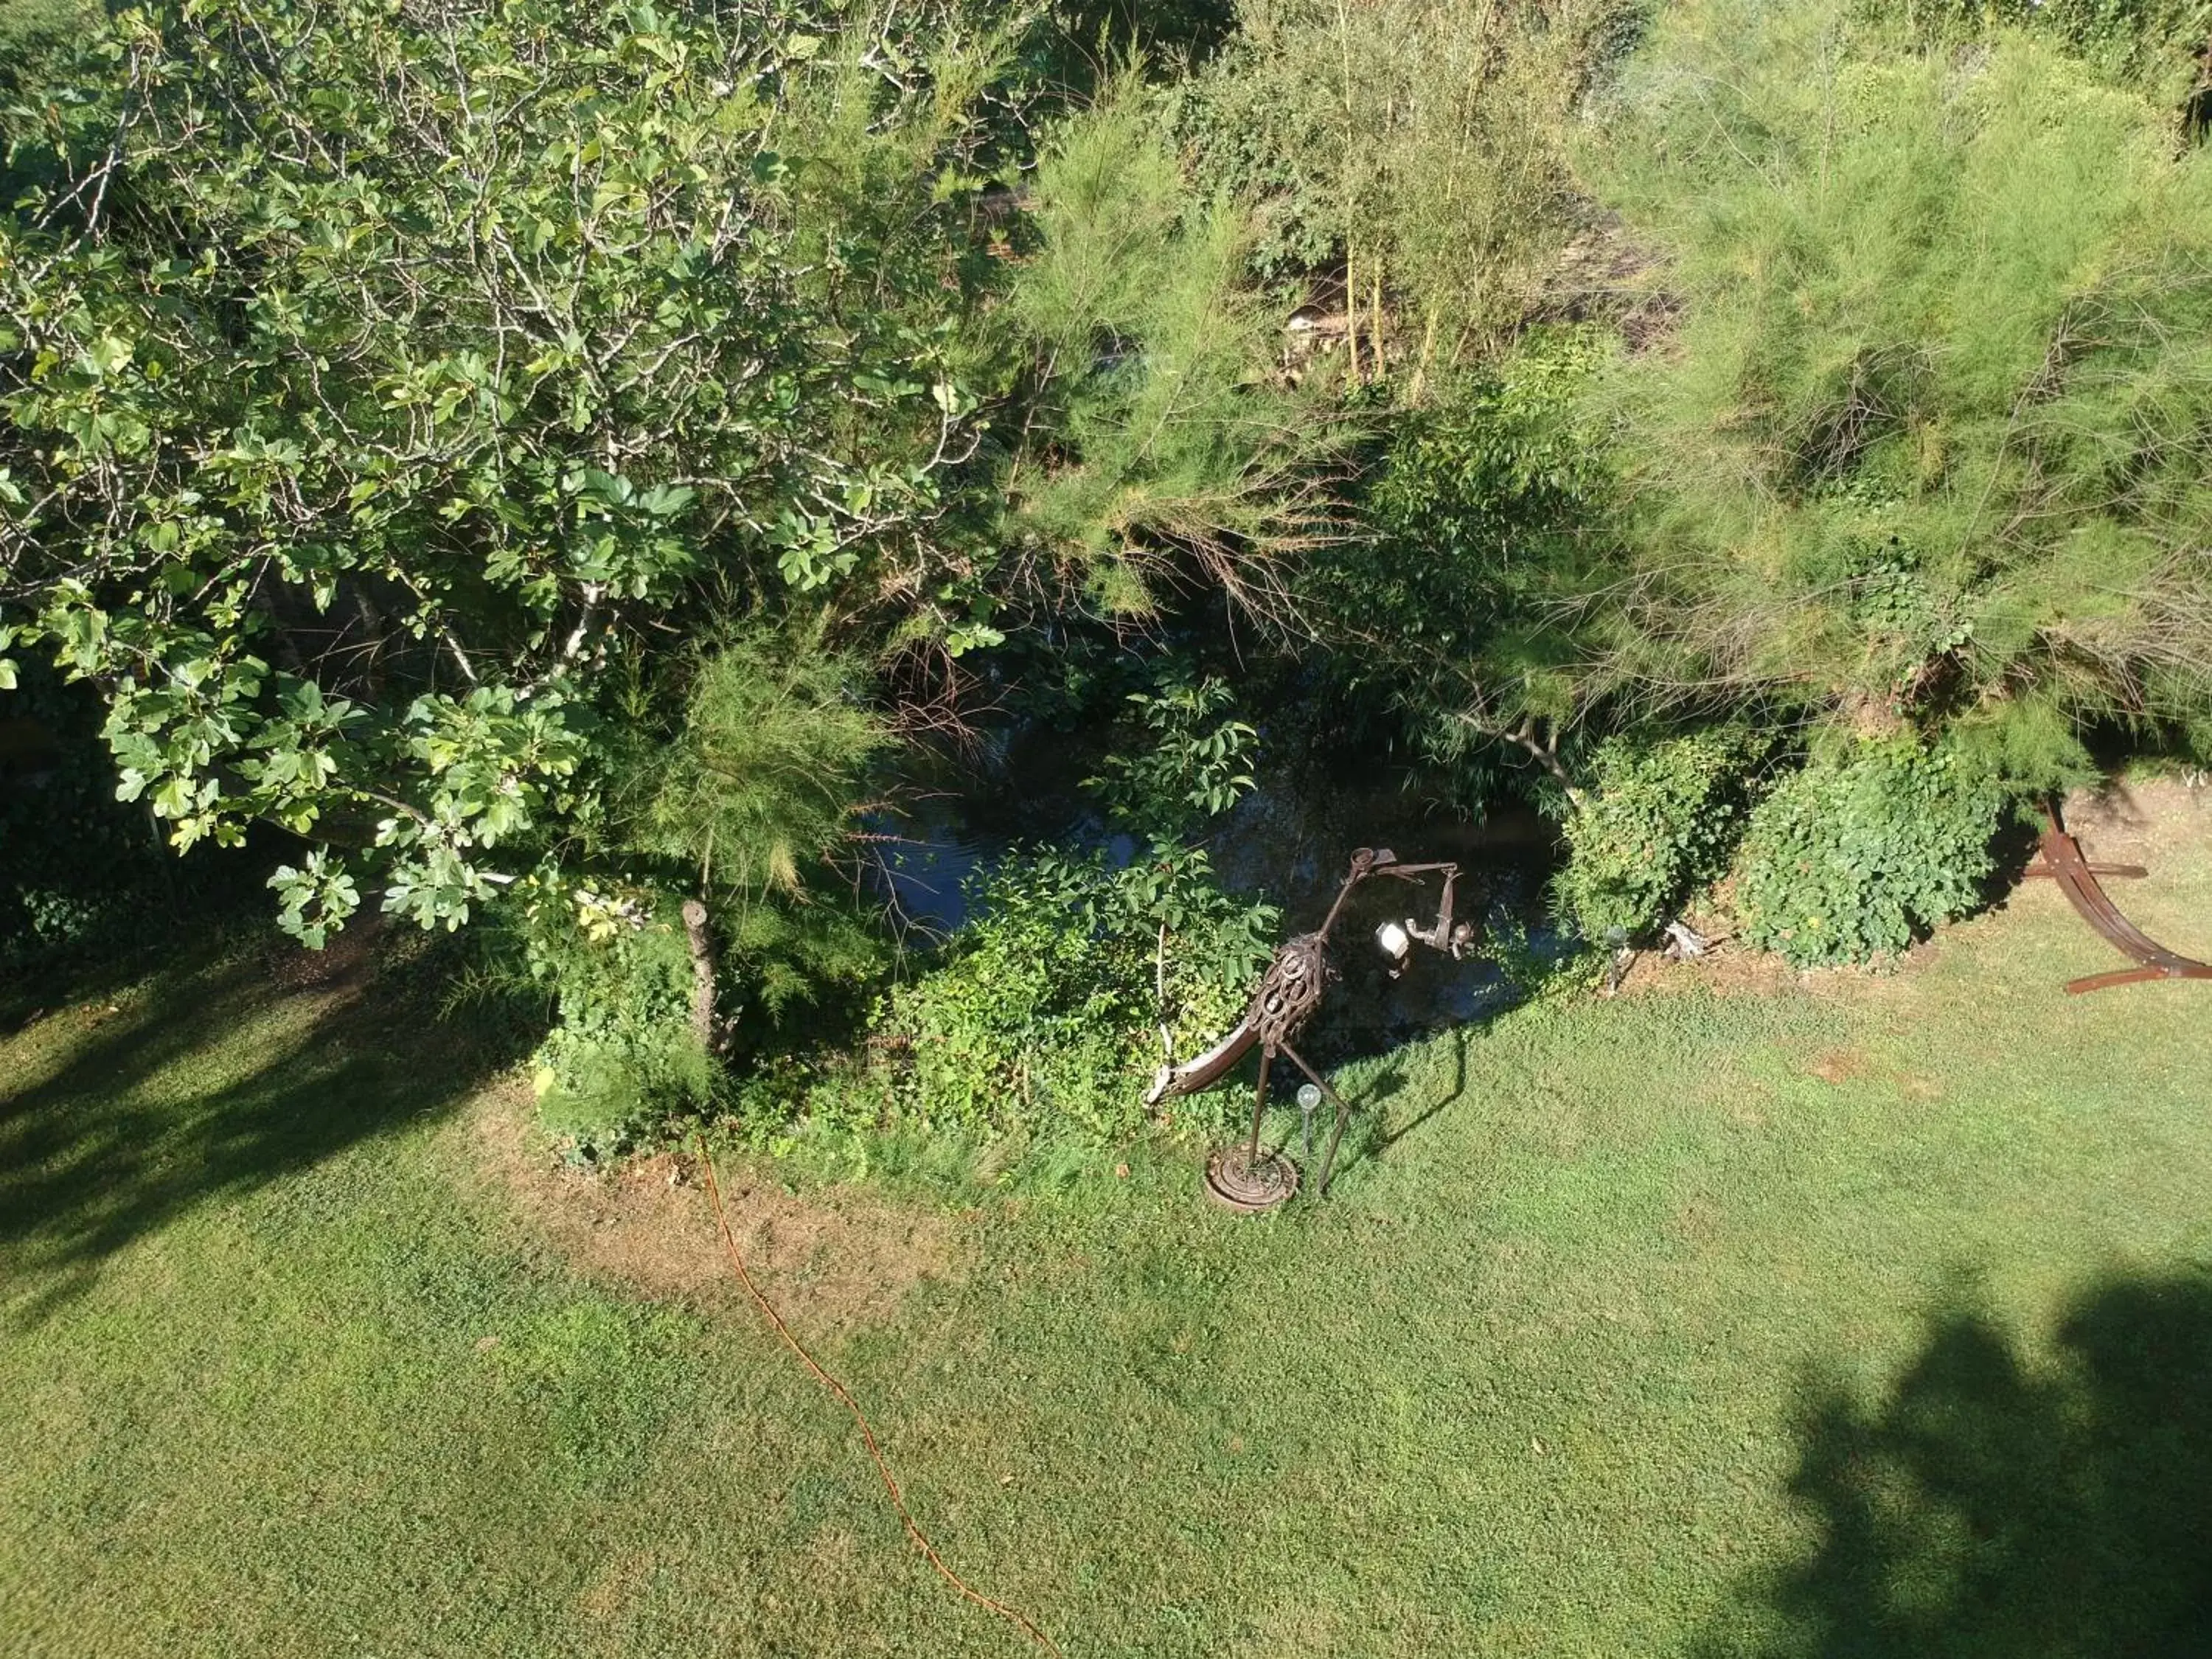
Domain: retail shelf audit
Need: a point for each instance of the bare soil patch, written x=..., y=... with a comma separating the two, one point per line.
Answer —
x=1726, y=970
x=343, y=966
x=1839, y=1066
x=2165, y=825
x=1732, y=969
x=830, y=1263
x=2124, y=821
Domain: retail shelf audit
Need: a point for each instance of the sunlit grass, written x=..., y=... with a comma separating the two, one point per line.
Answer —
x=279, y=1375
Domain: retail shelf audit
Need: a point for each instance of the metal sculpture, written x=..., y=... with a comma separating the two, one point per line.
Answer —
x=1283, y=1003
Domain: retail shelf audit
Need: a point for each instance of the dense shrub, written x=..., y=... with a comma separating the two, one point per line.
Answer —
x=621, y=1054
x=1659, y=821
x=1029, y=1019
x=1856, y=855
x=1046, y=1011
x=1183, y=761
x=31, y=30
x=1049, y=1008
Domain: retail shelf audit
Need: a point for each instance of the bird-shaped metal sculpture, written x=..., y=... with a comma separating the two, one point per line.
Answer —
x=1283, y=1005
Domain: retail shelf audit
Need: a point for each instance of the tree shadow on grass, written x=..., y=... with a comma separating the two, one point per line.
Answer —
x=1991, y=1507
x=125, y=1135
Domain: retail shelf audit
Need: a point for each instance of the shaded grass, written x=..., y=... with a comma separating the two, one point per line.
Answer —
x=1826, y=1323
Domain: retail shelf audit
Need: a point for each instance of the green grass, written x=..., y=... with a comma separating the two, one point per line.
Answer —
x=1629, y=1332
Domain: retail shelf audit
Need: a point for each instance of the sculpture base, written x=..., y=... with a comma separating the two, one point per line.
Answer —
x=1249, y=1188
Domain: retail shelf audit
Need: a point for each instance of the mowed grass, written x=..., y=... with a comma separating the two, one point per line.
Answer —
x=1874, y=1317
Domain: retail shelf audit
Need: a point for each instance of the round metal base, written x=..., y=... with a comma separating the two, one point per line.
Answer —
x=1250, y=1189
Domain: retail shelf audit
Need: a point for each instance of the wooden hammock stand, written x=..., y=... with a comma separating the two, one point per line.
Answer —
x=2077, y=878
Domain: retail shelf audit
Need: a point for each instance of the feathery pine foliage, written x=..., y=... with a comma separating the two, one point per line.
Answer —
x=763, y=778
x=1422, y=144
x=1931, y=448
x=748, y=805
x=1169, y=453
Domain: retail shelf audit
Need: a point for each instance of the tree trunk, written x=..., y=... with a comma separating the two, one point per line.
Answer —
x=1428, y=356
x=1375, y=317
x=703, y=974
x=1351, y=309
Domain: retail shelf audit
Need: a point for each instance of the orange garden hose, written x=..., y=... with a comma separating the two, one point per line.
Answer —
x=868, y=1434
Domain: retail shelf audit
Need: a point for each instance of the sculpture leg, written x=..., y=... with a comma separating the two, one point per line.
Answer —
x=1343, y=1113
x=1259, y=1105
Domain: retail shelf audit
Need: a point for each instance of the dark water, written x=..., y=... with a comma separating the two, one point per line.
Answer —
x=1293, y=842
x=1288, y=842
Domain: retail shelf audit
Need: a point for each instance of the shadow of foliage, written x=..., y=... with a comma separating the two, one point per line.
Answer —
x=1995, y=1505
x=197, y=1087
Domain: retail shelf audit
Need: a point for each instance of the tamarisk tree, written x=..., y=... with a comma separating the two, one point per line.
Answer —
x=1927, y=453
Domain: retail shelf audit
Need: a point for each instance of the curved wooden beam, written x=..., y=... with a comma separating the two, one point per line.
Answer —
x=2077, y=878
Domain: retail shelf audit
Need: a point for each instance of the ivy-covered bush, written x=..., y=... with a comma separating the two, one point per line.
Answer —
x=1857, y=854
x=1660, y=821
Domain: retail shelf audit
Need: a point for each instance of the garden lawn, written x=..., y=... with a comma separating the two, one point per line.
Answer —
x=1868, y=1317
